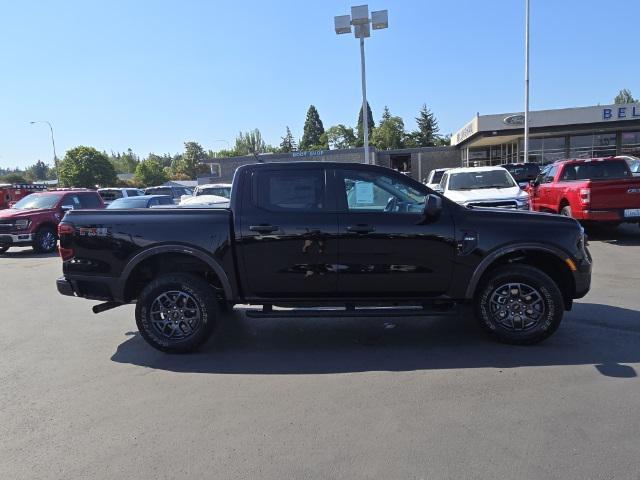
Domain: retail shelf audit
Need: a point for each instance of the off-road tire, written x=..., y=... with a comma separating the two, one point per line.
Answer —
x=488, y=305
x=158, y=293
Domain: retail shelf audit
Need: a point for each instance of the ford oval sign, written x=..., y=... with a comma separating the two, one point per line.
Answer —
x=513, y=120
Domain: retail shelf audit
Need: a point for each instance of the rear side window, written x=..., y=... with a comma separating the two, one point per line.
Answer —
x=159, y=191
x=281, y=190
x=165, y=201
x=89, y=200
x=132, y=193
x=110, y=195
x=596, y=171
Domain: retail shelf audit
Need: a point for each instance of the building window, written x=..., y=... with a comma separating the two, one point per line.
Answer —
x=581, y=146
x=604, y=145
x=553, y=148
x=631, y=143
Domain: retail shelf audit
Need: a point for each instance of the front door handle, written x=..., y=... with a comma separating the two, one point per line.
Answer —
x=360, y=228
x=263, y=228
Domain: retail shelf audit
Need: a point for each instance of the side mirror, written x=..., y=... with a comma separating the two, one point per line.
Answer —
x=432, y=207
x=66, y=208
x=534, y=183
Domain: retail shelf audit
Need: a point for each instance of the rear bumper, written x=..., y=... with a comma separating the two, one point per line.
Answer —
x=64, y=287
x=15, y=240
x=613, y=215
x=89, y=287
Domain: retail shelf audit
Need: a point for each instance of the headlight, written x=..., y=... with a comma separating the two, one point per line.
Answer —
x=22, y=223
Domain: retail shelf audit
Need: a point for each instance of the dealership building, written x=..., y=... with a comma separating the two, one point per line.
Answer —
x=581, y=132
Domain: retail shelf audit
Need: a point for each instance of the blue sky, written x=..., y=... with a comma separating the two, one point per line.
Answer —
x=151, y=75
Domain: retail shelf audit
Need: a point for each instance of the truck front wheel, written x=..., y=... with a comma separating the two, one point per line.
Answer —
x=177, y=313
x=519, y=304
x=45, y=240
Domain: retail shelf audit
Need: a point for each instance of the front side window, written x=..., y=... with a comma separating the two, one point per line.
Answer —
x=280, y=190
x=110, y=195
x=372, y=192
x=159, y=191
x=133, y=193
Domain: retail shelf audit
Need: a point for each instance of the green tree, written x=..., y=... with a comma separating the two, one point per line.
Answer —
x=288, y=143
x=390, y=133
x=250, y=143
x=312, y=132
x=124, y=162
x=191, y=162
x=13, y=178
x=340, y=136
x=150, y=172
x=37, y=171
x=359, y=130
x=624, y=96
x=86, y=167
x=426, y=135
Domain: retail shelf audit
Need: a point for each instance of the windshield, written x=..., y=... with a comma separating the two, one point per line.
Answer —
x=37, y=201
x=134, y=202
x=219, y=191
x=480, y=179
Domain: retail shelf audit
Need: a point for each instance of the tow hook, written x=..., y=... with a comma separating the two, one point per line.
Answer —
x=103, y=307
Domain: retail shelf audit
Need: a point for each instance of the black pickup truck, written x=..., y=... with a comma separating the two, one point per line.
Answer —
x=325, y=239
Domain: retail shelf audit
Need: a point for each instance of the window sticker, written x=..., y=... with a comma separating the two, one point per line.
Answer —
x=364, y=193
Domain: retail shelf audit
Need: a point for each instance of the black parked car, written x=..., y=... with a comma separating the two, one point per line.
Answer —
x=345, y=237
x=523, y=173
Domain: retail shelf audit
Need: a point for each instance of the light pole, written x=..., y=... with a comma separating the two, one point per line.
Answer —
x=526, y=82
x=359, y=18
x=53, y=142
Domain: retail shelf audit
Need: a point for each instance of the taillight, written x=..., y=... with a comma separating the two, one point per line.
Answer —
x=585, y=196
x=65, y=234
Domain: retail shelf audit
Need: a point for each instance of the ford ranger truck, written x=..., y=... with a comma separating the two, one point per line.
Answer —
x=599, y=190
x=325, y=239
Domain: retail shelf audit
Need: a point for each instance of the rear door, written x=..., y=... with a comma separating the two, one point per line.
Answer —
x=385, y=247
x=288, y=233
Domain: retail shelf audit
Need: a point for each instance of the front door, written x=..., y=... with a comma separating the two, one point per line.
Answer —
x=386, y=249
x=289, y=234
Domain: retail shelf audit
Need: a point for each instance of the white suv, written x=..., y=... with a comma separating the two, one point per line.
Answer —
x=483, y=187
x=110, y=194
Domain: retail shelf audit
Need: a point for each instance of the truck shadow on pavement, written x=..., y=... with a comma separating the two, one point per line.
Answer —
x=604, y=336
x=625, y=235
x=27, y=253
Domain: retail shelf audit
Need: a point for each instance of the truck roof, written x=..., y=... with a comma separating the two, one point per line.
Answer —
x=587, y=160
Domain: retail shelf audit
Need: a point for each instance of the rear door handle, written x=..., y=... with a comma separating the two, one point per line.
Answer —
x=360, y=228
x=263, y=228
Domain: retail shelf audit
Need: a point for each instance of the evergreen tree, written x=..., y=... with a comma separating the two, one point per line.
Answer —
x=624, y=96
x=288, y=143
x=426, y=134
x=360, y=131
x=313, y=131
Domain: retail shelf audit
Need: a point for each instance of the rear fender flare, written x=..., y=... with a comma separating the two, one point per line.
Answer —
x=158, y=250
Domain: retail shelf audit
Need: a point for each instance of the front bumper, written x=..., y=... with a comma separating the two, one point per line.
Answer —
x=15, y=240
x=582, y=279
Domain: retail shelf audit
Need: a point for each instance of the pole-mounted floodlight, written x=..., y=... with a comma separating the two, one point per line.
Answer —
x=359, y=18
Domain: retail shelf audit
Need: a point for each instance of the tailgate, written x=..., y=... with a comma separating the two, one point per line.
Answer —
x=615, y=194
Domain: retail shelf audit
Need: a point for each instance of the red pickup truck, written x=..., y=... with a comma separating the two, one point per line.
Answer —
x=33, y=221
x=601, y=190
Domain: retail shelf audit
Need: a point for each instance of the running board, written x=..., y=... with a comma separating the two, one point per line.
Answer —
x=408, y=311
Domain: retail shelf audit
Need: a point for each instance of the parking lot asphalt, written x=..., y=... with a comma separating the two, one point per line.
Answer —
x=82, y=395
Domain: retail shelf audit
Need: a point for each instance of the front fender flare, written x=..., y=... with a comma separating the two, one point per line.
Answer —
x=500, y=252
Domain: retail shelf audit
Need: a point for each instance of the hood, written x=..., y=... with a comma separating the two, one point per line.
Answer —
x=487, y=194
x=12, y=213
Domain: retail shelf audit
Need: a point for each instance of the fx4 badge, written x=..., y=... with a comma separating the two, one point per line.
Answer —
x=633, y=190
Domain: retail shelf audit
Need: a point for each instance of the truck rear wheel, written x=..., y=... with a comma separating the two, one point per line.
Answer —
x=177, y=313
x=519, y=304
x=566, y=211
x=45, y=240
